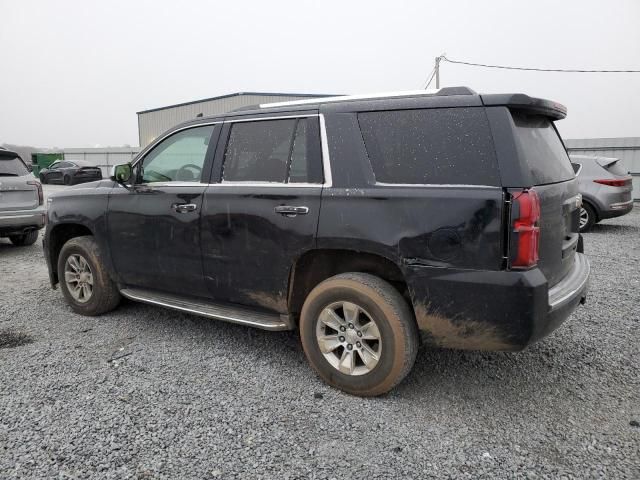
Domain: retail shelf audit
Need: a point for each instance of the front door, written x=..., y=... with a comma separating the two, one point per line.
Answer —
x=262, y=212
x=154, y=224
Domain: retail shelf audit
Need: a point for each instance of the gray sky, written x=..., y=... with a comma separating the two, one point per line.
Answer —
x=73, y=73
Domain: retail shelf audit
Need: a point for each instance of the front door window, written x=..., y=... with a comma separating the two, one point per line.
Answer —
x=178, y=158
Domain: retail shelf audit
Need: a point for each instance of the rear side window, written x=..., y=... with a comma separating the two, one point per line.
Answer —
x=542, y=149
x=430, y=146
x=12, y=167
x=281, y=151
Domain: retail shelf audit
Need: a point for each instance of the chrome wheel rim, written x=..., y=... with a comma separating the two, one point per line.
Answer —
x=79, y=278
x=349, y=338
x=584, y=217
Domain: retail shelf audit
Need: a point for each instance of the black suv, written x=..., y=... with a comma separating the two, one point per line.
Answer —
x=371, y=223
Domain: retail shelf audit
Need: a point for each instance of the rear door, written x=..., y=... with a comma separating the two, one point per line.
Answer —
x=542, y=153
x=261, y=213
x=16, y=193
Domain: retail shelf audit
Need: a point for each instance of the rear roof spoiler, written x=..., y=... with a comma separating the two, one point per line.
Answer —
x=520, y=101
x=8, y=153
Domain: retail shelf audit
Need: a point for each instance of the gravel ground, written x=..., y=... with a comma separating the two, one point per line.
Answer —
x=149, y=393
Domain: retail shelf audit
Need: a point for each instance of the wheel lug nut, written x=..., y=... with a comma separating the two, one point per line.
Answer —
x=341, y=338
x=359, y=333
x=351, y=325
x=342, y=329
x=349, y=347
x=358, y=344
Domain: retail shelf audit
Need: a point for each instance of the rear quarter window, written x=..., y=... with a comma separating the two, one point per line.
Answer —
x=541, y=149
x=430, y=146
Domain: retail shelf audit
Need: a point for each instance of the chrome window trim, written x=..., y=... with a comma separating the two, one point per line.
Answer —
x=266, y=184
x=176, y=183
x=437, y=185
x=324, y=147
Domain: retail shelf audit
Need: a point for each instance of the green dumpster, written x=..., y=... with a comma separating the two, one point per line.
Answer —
x=43, y=160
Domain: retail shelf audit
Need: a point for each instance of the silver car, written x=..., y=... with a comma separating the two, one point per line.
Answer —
x=22, y=212
x=605, y=186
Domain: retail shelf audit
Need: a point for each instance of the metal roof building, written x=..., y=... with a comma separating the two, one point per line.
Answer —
x=154, y=122
x=627, y=149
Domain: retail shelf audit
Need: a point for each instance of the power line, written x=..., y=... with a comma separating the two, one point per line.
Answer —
x=504, y=67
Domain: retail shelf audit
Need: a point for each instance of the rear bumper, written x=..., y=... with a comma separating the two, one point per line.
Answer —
x=20, y=221
x=616, y=209
x=493, y=310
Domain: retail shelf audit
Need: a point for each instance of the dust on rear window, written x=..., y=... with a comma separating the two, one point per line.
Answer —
x=541, y=148
x=12, y=167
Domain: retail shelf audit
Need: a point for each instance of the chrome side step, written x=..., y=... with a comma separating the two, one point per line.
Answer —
x=241, y=315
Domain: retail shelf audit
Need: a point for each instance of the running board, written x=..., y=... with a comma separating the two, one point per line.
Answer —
x=241, y=315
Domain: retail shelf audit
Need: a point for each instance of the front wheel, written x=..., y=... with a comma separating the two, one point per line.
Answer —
x=84, y=280
x=66, y=180
x=359, y=334
x=43, y=179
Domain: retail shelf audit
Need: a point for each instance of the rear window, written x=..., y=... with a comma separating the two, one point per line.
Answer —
x=616, y=168
x=430, y=146
x=12, y=167
x=542, y=149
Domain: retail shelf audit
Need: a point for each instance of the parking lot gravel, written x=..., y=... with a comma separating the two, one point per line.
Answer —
x=149, y=393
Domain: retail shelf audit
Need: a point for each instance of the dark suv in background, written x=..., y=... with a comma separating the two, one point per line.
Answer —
x=368, y=222
x=22, y=212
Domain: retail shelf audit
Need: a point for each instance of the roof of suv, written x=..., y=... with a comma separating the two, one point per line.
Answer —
x=513, y=100
x=443, y=97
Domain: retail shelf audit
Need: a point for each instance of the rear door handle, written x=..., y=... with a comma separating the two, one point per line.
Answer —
x=184, y=207
x=291, y=211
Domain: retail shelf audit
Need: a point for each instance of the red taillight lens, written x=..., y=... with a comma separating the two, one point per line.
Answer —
x=39, y=187
x=526, y=229
x=614, y=182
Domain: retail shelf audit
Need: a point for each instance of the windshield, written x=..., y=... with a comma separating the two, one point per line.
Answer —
x=12, y=167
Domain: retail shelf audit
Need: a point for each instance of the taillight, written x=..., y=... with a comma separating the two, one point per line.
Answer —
x=526, y=229
x=39, y=187
x=614, y=182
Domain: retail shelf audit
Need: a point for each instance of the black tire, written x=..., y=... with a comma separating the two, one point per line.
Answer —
x=43, y=179
x=393, y=317
x=24, y=240
x=591, y=217
x=105, y=296
x=66, y=180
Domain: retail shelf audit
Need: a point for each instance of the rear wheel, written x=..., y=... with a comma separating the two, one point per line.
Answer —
x=84, y=281
x=24, y=240
x=587, y=217
x=66, y=180
x=358, y=333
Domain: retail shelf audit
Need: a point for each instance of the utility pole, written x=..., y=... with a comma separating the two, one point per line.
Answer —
x=438, y=72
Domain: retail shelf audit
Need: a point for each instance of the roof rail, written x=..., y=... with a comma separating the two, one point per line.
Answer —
x=371, y=96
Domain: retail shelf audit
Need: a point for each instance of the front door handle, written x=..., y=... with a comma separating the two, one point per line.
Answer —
x=184, y=207
x=291, y=211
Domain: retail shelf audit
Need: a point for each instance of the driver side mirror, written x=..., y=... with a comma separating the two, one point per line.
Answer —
x=122, y=173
